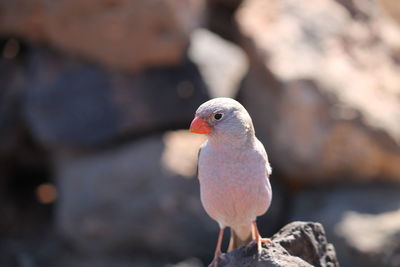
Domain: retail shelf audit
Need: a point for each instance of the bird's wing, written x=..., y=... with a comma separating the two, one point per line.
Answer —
x=263, y=152
x=268, y=166
x=198, y=157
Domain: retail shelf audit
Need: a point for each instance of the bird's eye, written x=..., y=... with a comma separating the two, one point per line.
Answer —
x=218, y=116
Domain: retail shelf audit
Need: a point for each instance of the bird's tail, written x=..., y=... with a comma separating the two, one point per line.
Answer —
x=240, y=236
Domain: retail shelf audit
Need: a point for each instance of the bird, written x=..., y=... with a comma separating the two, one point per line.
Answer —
x=233, y=172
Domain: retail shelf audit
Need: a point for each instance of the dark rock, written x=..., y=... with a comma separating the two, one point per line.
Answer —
x=134, y=199
x=328, y=205
x=23, y=165
x=333, y=207
x=296, y=244
x=12, y=80
x=307, y=241
x=71, y=103
x=370, y=240
x=220, y=18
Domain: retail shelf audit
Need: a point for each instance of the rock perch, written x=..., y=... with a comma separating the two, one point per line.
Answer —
x=298, y=244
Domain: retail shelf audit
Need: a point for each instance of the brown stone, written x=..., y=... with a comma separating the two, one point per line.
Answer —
x=323, y=89
x=129, y=35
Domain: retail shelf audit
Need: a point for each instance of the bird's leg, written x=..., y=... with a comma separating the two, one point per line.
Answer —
x=258, y=238
x=218, y=252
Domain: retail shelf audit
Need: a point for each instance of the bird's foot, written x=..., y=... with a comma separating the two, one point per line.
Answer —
x=261, y=241
x=266, y=241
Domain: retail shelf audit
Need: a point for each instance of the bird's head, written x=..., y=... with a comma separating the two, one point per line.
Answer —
x=222, y=117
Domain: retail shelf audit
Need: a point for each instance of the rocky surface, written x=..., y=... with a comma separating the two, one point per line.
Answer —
x=297, y=244
x=392, y=7
x=12, y=80
x=126, y=199
x=334, y=209
x=220, y=18
x=134, y=34
x=222, y=64
x=323, y=89
x=370, y=240
x=70, y=103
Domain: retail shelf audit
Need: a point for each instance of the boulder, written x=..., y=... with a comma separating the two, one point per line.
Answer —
x=23, y=165
x=71, y=103
x=370, y=240
x=129, y=35
x=392, y=7
x=220, y=18
x=335, y=208
x=12, y=80
x=322, y=89
x=222, y=63
x=297, y=244
x=133, y=199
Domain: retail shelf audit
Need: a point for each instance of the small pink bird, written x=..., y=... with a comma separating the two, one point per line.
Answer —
x=233, y=171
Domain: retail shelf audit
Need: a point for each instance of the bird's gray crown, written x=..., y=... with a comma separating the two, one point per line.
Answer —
x=219, y=104
x=235, y=123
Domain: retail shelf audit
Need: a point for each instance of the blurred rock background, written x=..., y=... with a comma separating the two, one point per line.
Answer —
x=96, y=165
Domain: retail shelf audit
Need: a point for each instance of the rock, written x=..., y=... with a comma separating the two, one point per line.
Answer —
x=222, y=64
x=12, y=80
x=322, y=89
x=331, y=207
x=220, y=18
x=392, y=7
x=75, y=104
x=45, y=249
x=296, y=244
x=23, y=165
x=370, y=240
x=132, y=200
x=134, y=35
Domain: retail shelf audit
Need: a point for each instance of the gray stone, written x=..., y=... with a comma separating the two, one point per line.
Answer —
x=12, y=86
x=222, y=64
x=370, y=240
x=132, y=200
x=332, y=207
x=220, y=18
x=72, y=103
x=297, y=244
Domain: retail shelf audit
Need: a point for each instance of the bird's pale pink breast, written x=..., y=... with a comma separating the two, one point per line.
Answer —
x=234, y=184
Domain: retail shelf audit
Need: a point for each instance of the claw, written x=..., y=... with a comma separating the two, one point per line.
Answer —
x=258, y=239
